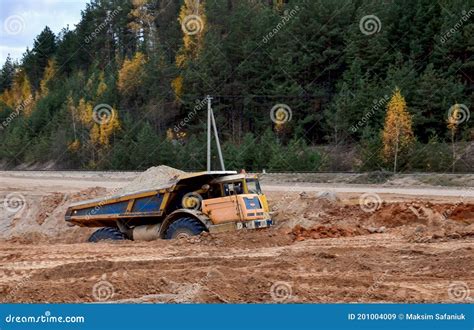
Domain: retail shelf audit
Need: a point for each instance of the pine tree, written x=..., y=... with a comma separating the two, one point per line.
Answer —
x=7, y=74
x=36, y=60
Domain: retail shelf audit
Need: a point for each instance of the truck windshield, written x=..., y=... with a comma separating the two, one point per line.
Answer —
x=253, y=186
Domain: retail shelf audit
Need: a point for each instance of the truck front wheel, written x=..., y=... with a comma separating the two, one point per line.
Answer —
x=184, y=227
x=106, y=233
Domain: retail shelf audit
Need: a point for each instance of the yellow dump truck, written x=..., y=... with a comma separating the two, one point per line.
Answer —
x=212, y=201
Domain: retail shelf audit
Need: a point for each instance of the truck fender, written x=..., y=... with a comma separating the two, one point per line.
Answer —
x=180, y=213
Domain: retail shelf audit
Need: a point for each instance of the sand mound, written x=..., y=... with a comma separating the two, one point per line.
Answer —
x=42, y=218
x=304, y=216
x=153, y=177
x=303, y=210
x=300, y=233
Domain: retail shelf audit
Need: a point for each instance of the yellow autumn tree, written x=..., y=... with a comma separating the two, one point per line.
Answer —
x=6, y=97
x=177, y=85
x=108, y=127
x=49, y=73
x=280, y=4
x=192, y=17
x=83, y=112
x=397, y=133
x=100, y=129
x=19, y=97
x=453, y=122
x=142, y=18
x=75, y=145
x=130, y=76
x=102, y=87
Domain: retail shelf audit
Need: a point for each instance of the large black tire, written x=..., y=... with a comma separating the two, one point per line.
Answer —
x=106, y=233
x=185, y=226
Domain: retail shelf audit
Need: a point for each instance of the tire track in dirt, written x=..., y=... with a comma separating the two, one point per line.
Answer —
x=317, y=271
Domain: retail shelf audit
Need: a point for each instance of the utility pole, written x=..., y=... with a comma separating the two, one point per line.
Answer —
x=209, y=98
x=212, y=120
x=219, y=151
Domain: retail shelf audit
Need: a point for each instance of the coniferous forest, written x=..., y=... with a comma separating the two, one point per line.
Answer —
x=297, y=85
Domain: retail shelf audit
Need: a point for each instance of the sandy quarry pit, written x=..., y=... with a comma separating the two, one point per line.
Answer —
x=405, y=244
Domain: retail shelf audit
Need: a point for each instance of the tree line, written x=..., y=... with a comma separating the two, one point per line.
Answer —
x=294, y=82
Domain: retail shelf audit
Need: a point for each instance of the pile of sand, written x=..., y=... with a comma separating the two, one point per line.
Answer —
x=300, y=233
x=304, y=216
x=152, y=178
x=42, y=218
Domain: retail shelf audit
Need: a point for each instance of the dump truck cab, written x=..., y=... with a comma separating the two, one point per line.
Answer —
x=237, y=200
x=211, y=201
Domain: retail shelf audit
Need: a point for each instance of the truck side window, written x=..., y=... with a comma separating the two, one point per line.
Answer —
x=238, y=188
x=234, y=188
x=227, y=191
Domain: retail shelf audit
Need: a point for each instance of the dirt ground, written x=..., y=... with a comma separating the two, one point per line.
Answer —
x=377, y=246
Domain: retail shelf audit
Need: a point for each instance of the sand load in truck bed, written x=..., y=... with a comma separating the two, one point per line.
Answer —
x=150, y=179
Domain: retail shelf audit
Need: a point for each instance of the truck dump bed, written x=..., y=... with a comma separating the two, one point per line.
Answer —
x=139, y=207
x=103, y=212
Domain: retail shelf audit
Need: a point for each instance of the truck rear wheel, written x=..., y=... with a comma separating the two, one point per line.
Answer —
x=106, y=233
x=184, y=227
